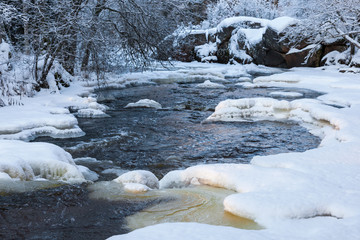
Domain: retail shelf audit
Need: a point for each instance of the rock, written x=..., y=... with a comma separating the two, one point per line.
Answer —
x=273, y=40
x=298, y=58
x=336, y=45
x=223, y=53
x=184, y=51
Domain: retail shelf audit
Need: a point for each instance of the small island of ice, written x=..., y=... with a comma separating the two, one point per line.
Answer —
x=209, y=84
x=144, y=103
x=286, y=94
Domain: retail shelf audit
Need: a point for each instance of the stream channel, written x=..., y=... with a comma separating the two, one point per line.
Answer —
x=155, y=140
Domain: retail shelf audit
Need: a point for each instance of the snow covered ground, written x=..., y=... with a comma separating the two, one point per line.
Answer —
x=309, y=195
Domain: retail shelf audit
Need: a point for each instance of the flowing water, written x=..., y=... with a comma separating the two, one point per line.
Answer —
x=174, y=137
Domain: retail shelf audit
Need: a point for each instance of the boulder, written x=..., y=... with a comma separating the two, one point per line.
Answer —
x=184, y=50
x=297, y=58
x=223, y=53
x=273, y=40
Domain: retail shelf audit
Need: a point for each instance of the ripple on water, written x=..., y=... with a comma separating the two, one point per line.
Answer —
x=202, y=204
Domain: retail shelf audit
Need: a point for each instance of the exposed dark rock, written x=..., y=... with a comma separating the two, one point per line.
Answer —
x=275, y=59
x=309, y=57
x=184, y=49
x=338, y=45
x=223, y=53
x=274, y=41
x=225, y=34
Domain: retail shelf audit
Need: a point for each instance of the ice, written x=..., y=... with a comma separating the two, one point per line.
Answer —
x=279, y=24
x=140, y=177
x=144, y=103
x=29, y=161
x=233, y=21
x=206, y=50
x=246, y=85
x=309, y=195
x=244, y=79
x=286, y=94
x=136, y=188
x=91, y=113
x=209, y=84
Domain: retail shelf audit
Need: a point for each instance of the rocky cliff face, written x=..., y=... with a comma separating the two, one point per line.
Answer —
x=249, y=40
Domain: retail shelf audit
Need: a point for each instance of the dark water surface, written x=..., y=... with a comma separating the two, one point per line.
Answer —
x=154, y=140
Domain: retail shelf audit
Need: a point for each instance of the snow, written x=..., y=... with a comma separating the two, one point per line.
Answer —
x=144, y=103
x=139, y=177
x=206, y=50
x=29, y=161
x=286, y=94
x=244, y=79
x=233, y=21
x=308, y=195
x=246, y=85
x=279, y=24
x=91, y=113
x=209, y=84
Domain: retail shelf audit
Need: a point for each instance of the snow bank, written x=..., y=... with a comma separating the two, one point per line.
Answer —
x=29, y=161
x=141, y=177
x=209, y=84
x=144, y=103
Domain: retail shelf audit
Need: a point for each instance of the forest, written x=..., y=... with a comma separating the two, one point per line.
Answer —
x=51, y=41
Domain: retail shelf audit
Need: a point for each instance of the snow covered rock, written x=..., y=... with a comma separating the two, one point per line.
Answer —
x=139, y=177
x=29, y=161
x=144, y=103
x=91, y=113
x=209, y=84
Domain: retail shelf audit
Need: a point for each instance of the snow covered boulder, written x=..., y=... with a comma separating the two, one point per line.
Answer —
x=144, y=103
x=143, y=177
x=30, y=161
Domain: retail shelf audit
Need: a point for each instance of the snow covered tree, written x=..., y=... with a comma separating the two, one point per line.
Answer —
x=228, y=8
x=325, y=21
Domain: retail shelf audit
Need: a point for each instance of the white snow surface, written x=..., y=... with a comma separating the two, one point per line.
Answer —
x=309, y=195
x=142, y=177
x=30, y=161
x=144, y=103
x=286, y=94
x=209, y=84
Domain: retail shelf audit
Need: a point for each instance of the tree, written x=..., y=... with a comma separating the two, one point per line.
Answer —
x=325, y=21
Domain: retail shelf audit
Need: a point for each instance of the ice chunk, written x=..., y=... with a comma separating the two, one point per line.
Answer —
x=209, y=84
x=136, y=188
x=139, y=176
x=91, y=113
x=144, y=103
x=88, y=174
x=246, y=85
x=29, y=161
x=286, y=94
